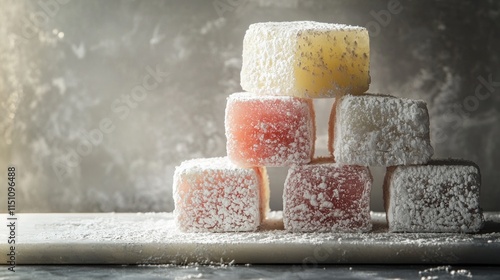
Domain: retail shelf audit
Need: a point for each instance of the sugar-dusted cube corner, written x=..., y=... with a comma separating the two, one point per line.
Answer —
x=327, y=197
x=269, y=130
x=379, y=130
x=212, y=194
x=305, y=59
x=442, y=196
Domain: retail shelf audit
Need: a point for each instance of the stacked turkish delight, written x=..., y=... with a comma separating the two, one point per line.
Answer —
x=286, y=65
x=269, y=130
x=440, y=196
x=326, y=196
x=215, y=195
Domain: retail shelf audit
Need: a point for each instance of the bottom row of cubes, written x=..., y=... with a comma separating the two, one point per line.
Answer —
x=213, y=194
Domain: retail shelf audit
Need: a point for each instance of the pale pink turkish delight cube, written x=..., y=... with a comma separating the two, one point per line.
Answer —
x=327, y=197
x=441, y=196
x=213, y=194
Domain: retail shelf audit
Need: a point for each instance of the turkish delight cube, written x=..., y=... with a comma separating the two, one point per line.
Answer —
x=442, y=196
x=269, y=130
x=379, y=130
x=212, y=194
x=305, y=59
x=327, y=197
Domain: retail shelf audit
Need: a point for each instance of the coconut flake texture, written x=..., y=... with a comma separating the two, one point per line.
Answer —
x=269, y=130
x=212, y=194
x=442, y=196
x=379, y=130
x=327, y=197
x=305, y=59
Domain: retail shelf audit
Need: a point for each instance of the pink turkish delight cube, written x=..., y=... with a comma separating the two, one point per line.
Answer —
x=441, y=196
x=327, y=197
x=213, y=194
x=269, y=130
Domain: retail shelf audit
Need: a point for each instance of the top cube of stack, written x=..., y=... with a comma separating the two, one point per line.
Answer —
x=305, y=59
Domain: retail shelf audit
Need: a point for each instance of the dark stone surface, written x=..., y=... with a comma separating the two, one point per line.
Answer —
x=252, y=272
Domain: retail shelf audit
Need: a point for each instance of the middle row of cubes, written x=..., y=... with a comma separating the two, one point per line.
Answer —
x=366, y=130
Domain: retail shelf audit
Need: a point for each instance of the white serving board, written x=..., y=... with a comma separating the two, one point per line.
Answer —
x=140, y=238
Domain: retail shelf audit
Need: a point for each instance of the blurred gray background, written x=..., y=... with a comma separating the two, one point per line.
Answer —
x=100, y=100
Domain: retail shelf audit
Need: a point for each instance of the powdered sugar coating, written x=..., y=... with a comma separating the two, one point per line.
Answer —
x=380, y=130
x=305, y=59
x=269, y=130
x=212, y=194
x=442, y=196
x=327, y=197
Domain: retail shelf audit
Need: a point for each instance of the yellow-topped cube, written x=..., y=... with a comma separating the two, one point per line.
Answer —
x=305, y=59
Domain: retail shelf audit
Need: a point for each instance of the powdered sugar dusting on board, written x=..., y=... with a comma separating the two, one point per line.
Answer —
x=442, y=196
x=154, y=238
x=160, y=228
x=376, y=130
x=269, y=130
x=212, y=194
x=444, y=272
x=327, y=196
